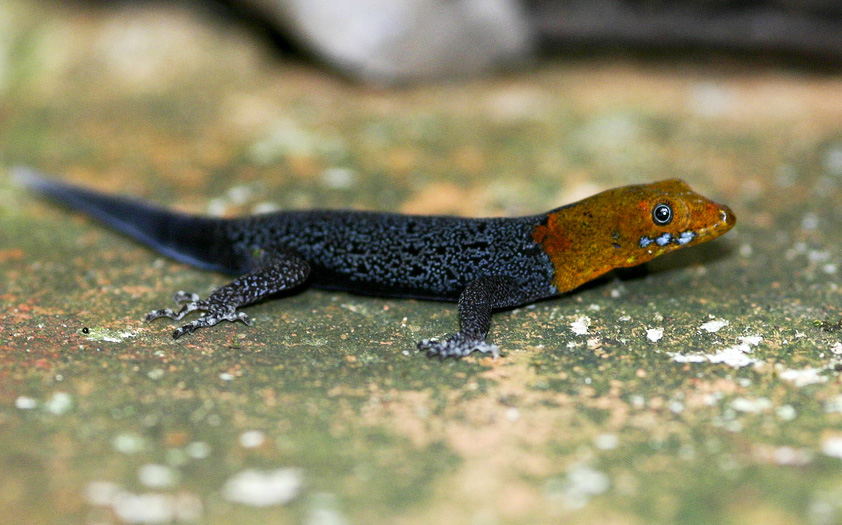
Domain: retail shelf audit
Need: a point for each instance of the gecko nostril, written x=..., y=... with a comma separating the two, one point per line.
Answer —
x=726, y=216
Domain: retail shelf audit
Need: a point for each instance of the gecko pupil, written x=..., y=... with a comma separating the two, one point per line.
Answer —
x=662, y=214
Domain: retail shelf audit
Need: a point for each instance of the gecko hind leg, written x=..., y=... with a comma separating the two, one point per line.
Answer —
x=281, y=272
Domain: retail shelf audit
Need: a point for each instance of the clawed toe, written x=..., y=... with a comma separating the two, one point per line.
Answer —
x=182, y=297
x=457, y=345
x=189, y=303
x=214, y=312
x=186, y=329
x=155, y=314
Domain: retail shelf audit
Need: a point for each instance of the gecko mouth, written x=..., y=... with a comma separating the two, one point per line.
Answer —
x=667, y=238
x=726, y=221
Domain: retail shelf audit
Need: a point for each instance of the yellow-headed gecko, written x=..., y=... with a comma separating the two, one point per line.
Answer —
x=484, y=264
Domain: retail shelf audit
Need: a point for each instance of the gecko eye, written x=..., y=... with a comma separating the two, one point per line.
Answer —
x=662, y=214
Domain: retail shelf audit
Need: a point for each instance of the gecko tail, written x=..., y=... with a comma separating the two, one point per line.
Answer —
x=186, y=238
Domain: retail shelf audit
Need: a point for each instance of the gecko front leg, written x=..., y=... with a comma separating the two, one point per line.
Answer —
x=279, y=272
x=476, y=304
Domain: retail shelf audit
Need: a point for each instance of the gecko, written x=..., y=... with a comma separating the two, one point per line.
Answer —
x=483, y=264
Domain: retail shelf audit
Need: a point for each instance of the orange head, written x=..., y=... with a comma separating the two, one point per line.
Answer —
x=625, y=227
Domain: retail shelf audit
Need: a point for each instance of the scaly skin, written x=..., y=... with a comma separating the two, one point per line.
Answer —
x=485, y=264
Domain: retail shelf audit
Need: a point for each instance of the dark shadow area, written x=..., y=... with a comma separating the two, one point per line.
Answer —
x=223, y=12
x=806, y=34
x=800, y=34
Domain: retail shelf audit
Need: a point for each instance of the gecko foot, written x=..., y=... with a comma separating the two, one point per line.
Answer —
x=214, y=312
x=457, y=345
x=189, y=301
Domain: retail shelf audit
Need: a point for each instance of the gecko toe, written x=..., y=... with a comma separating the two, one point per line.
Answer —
x=456, y=346
x=192, y=326
x=181, y=297
x=155, y=314
x=214, y=313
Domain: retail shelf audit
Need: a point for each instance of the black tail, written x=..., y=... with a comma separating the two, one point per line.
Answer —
x=190, y=239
